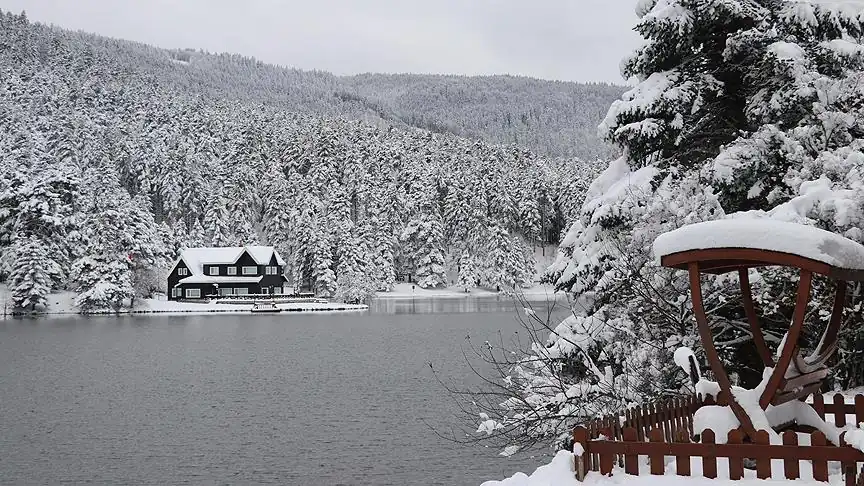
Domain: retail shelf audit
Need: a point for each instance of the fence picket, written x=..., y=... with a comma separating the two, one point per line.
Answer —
x=859, y=409
x=840, y=406
x=657, y=460
x=631, y=461
x=819, y=405
x=736, y=464
x=763, y=464
x=848, y=467
x=790, y=466
x=820, y=468
x=709, y=461
x=583, y=465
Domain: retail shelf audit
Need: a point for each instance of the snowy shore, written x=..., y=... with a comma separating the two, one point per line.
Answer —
x=405, y=291
x=62, y=304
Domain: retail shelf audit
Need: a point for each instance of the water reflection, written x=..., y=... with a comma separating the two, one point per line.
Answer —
x=439, y=305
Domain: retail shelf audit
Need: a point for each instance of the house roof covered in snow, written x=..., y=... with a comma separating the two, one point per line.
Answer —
x=196, y=258
x=764, y=234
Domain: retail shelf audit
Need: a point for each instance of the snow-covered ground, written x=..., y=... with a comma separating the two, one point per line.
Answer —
x=542, y=256
x=62, y=303
x=405, y=290
x=561, y=472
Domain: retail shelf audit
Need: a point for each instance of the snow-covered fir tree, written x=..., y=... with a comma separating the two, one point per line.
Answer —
x=740, y=106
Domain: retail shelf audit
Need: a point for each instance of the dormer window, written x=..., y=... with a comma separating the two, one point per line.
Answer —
x=182, y=272
x=272, y=270
x=250, y=270
x=214, y=270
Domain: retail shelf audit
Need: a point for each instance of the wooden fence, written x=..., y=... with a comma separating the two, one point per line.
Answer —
x=661, y=430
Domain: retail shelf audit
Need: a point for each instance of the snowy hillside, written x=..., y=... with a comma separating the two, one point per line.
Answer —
x=113, y=155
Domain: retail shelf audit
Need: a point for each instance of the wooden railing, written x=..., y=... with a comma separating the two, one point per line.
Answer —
x=665, y=429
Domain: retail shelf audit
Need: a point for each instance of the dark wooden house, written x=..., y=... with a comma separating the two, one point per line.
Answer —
x=202, y=273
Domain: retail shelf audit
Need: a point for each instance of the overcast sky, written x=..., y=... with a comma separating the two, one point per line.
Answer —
x=577, y=40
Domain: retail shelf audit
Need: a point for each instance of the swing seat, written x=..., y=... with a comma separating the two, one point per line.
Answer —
x=800, y=386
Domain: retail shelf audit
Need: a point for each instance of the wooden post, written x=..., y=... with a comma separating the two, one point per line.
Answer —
x=859, y=409
x=763, y=464
x=820, y=468
x=790, y=345
x=658, y=463
x=631, y=461
x=580, y=436
x=819, y=405
x=840, y=407
x=709, y=460
x=736, y=464
x=790, y=466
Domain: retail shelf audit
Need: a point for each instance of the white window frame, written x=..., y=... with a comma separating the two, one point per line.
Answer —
x=176, y=292
x=241, y=291
x=247, y=271
x=265, y=290
x=232, y=270
x=226, y=291
x=182, y=272
x=214, y=270
x=277, y=290
x=193, y=293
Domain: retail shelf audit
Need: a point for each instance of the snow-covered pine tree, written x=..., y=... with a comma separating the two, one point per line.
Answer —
x=33, y=273
x=423, y=240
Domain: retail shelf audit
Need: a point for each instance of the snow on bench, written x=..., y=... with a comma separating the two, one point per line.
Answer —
x=764, y=234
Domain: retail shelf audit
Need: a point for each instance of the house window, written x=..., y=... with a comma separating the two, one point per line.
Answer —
x=250, y=270
x=277, y=290
x=182, y=272
x=272, y=270
x=176, y=292
x=226, y=291
x=214, y=270
x=232, y=270
x=193, y=293
x=264, y=291
x=241, y=291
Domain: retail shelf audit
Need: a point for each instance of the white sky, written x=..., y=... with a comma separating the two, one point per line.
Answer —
x=575, y=40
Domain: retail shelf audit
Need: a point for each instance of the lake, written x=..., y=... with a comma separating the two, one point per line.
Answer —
x=226, y=399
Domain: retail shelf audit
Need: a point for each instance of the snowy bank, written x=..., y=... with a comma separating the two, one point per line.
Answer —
x=62, y=304
x=404, y=291
x=561, y=472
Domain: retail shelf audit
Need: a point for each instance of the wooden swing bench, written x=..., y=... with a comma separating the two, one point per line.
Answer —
x=737, y=245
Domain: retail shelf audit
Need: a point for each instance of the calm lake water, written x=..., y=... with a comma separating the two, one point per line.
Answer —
x=225, y=399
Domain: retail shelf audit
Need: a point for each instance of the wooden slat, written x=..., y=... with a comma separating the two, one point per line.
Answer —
x=631, y=461
x=859, y=409
x=709, y=460
x=763, y=462
x=849, y=471
x=819, y=405
x=783, y=397
x=820, y=467
x=839, y=403
x=580, y=436
x=790, y=466
x=805, y=379
x=736, y=464
x=655, y=454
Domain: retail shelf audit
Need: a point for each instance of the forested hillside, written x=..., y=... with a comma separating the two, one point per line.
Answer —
x=553, y=118
x=113, y=155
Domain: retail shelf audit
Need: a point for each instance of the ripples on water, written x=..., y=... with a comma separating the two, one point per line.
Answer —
x=220, y=399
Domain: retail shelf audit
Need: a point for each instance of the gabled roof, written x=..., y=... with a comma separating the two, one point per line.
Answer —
x=196, y=258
